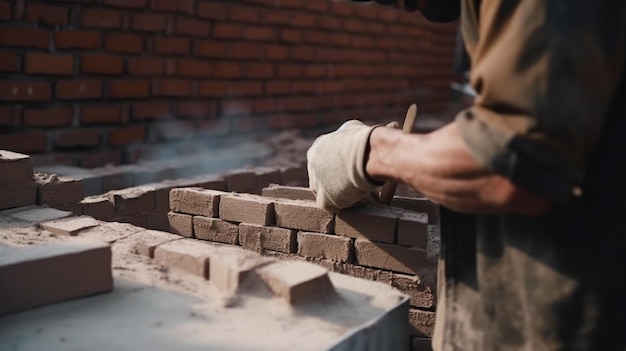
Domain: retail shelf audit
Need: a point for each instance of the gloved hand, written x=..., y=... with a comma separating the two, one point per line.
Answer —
x=336, y=166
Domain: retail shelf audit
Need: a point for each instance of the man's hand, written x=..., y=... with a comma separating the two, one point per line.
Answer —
x=336, y=164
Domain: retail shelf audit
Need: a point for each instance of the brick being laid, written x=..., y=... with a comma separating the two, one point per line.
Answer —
x=374, y=223
x=304, y=216
x=413, y=229
x=259, y=238
x=214, y=229
x=247, y=208
x=421, y=294
x=420, y=205
x=288, y=192
x=297, y=282
x=391, y=257
x=324, y=246
x=45, y=274
x=196, y=201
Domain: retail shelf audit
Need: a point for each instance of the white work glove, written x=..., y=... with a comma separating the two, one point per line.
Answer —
x=336, y=166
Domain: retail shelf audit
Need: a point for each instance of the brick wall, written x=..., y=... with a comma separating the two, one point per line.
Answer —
x=89, y=82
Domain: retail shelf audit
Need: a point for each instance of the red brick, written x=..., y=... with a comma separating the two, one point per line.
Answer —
x=246, y=88
x=230, y=268
x=213, y=49
x=98, y=207
x=24, y=37
x=100, y=114
x=46, y=14
x=421, y=323
x=240, y=181
x=127, y=135
x=266, y=176
x=150, y=110
x=258, y=33
x=48, y=117
x=131, y=4
x=420, y=293
x=372, y=223
x=213, y=229
x=324, y=246
x=128, y=89
x=259, y=70
x=413, y=229
x=44, y=274
x=227, y=70
x=172, y=130
x=212, y=10
x=228, y=31
x=8, y=117
x=94, y=159
x=25, y=91
x=77, y=138
x=78, y=89
x=145, y=242
x=48, y=64
x=5, y=11
x=196, y=109
x=58, y=191
x=123, y=43
x=390, y=257
x=194, y=68
x=289, y=71
x=24, y=142
x=420, y=205
x=8, y=62
x=213, y=89
x=196, y=201
x=148, y=22
x=182, y=6
x=101, y=64
x=259, y=238
x=191, y=27
x=132, y=201
x=297, y=282
x=181, y=224
x=76, y=40
x=247, y=208
x=172, y=46
x=101, y=18
x=146, y=66
x=288, y=192
x=15, y=167
x=172, y=88
x=17, y=194
x=189, y=255
x=303, y=215
x=291, y=36
x=276, y=52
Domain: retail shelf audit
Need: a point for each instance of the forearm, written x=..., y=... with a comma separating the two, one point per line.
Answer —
x=440, y=166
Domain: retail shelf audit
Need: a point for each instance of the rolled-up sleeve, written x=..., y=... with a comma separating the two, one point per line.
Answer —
x=545, y=73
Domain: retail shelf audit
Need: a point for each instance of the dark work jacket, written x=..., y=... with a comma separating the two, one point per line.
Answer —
x=550, y=115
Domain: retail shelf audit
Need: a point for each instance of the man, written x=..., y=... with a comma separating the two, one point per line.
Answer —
x=531, y=178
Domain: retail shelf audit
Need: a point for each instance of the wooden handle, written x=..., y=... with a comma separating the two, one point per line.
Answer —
x=389, y=189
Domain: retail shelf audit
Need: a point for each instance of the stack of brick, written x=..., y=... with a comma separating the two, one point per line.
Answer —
x=387, y=244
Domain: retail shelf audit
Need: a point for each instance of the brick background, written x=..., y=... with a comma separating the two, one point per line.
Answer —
x=109, y=73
